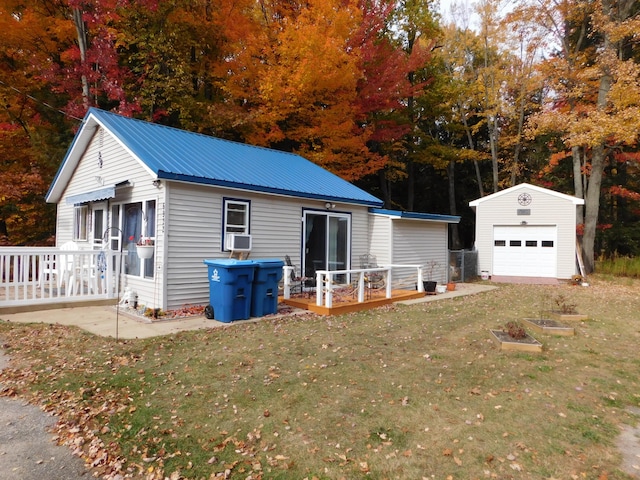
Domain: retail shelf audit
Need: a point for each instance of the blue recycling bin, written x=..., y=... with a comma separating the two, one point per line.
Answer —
x=230, y=284
x=268, y=274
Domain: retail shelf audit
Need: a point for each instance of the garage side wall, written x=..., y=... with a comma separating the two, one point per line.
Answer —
x=544, y=210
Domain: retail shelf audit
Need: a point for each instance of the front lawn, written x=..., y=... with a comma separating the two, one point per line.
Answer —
x=399, y=392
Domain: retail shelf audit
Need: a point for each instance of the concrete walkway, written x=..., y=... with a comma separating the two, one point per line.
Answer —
x=111, y=322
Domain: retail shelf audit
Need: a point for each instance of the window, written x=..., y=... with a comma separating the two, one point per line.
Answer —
x=547, y=243
x=500, y=243
x=515, y=243
x=236, y=219
x=531, y=243
x=80, y=221
x=134, y=220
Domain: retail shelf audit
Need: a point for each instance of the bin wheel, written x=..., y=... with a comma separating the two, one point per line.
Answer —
x=208, y=312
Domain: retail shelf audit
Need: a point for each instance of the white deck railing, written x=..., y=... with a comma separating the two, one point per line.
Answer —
x=326, y=284
x=33, y=275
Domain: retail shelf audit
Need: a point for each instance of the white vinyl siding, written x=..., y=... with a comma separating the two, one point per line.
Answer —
x=400, y=241
x=545, y=209
x=421, y=242
x=117, y=166
x=380, y=238
x=195, y=216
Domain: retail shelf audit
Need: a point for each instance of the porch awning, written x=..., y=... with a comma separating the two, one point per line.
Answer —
x=103, y=193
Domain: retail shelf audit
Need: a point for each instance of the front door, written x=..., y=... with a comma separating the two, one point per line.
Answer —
x=326, y=242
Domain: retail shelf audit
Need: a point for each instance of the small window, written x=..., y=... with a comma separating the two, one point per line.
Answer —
x=80, y=221
x=236, y=218
x=547, y=243
x=531, y=243
x=515, y=243
x=500, y=243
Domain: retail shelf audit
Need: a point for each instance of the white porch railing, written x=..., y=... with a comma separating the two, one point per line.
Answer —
x=33, y=275
x=325, y=281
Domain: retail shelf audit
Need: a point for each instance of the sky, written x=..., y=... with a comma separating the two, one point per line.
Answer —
x=457, y=11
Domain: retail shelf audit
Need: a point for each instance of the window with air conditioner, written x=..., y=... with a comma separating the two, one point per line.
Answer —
x=236, y=225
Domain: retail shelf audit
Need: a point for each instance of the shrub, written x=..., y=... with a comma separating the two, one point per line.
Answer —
x=515, y=330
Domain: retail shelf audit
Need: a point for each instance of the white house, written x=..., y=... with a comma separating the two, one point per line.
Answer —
x=526, y=233
x=193, y=196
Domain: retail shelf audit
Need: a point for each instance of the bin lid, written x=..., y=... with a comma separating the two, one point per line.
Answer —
x=229, y=263
x=268, y=262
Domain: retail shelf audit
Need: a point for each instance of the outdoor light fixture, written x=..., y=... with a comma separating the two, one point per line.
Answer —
x=329, y=205
x=157, y=183
x=523, y=222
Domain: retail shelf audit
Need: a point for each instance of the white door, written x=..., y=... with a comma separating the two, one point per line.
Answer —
x=525, y=250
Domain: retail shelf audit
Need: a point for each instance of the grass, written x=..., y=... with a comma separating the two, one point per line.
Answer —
x=398, y=392
x=619, y=266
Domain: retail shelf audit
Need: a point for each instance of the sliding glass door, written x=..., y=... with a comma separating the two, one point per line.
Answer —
x=326, y=242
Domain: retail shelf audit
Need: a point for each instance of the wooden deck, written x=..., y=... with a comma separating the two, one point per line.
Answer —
x=348, y=304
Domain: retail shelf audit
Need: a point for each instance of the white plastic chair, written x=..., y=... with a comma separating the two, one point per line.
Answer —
x=60, y=267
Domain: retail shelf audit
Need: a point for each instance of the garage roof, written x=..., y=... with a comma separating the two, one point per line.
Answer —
x=575, y=200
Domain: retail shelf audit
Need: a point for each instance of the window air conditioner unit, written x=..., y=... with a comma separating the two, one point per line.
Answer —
x=239, y=242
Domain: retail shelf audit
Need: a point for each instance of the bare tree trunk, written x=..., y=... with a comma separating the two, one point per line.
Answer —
x=384, y=188
x=451, y=175
x=518, y=147
x=411, y=182
x=81, y=31
x=577, y=182
x=592, y=201
x=472, y=147
x=493, y=142
x=592, y=206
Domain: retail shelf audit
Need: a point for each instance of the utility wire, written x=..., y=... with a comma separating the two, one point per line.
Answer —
x=40, y=101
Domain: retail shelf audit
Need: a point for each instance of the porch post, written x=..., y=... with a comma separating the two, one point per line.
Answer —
x=329, y=300
x=319, y=289
x=420, y=280
x=287, y=281
x=361, y=287
x=389, y=282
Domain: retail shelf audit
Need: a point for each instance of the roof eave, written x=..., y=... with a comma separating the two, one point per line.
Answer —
x=427, y=217
x=264, y=189
x=71, y=159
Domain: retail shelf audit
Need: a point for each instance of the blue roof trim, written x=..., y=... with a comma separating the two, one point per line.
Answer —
x=416, y=215
x=176, y=154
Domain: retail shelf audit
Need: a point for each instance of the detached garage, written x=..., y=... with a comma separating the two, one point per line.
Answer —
x=526, y=234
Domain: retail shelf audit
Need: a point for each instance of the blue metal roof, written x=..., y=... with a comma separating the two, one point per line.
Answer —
x=434, y=217
x=192, y=157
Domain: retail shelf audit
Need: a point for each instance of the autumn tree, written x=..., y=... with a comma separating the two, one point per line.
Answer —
x=596, y=100
x=295, y=74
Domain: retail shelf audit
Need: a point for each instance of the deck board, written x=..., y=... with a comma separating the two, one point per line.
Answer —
x=348, y=305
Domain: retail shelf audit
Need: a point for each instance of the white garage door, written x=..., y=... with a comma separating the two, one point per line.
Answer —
x=525, y=250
